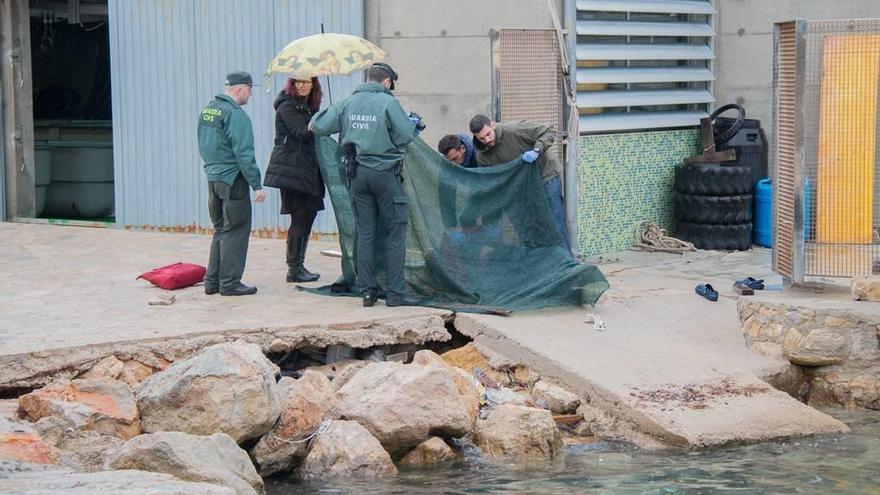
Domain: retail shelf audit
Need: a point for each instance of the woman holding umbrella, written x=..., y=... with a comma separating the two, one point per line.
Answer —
x=293, y=169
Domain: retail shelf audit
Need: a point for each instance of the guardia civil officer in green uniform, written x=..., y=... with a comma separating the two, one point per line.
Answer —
x=226, y=143
x=373, y=121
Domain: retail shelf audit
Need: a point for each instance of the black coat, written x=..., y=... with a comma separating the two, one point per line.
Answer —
x=293, y=165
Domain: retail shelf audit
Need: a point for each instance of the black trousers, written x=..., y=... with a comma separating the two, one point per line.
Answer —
x=230, y=211
x=379, y=195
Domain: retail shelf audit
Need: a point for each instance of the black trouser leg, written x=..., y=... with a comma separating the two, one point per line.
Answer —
x=395, y=218
x=234, y=219
x=366, y=215
x=215, y=211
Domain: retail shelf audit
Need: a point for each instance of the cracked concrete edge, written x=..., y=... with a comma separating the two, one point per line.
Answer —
x=31, y=370
x=635, y=427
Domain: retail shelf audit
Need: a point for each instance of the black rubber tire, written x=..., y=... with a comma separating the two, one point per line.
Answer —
x=711, y=179
x=718, y=237
x=717, y=210
x=726, y=135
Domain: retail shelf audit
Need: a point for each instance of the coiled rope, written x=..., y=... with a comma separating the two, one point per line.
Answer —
x=649, y=237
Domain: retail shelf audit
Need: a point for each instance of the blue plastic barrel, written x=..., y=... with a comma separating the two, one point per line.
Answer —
x=763, y=218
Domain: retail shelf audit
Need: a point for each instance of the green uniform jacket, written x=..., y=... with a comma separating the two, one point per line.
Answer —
x=373, y=121
x=226, y=142
x=514, y=139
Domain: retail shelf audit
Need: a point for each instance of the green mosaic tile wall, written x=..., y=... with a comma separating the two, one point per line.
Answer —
x=624, y=179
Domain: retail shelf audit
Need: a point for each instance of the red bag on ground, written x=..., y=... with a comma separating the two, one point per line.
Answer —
x=176, y=276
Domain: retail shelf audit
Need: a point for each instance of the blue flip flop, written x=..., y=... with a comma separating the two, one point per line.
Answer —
x=707, y=291
x=752, y=283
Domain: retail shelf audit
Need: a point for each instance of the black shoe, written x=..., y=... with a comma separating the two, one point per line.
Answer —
x=402, y=301
x=240, y=290
x=369, y=298
x=300, y=274
x=312, y=276
x=211, y=290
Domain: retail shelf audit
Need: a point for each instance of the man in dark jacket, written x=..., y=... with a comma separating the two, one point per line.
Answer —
x=498, y=143
x=458, y=149
x=373, y=121
x=226, y=144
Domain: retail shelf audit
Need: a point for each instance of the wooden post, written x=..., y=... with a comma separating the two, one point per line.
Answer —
x=17, y=107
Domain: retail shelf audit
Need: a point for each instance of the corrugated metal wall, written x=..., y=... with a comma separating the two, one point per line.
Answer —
x=169, y=58
x=2, y=165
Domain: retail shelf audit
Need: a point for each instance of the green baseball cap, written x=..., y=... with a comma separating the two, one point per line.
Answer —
x=239, y=77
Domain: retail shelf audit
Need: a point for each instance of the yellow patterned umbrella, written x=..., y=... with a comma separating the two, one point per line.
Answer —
x=323, y=55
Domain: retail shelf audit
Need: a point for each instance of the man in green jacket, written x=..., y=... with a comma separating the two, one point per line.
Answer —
x=373, y=121
x=498, y=143
x=226, y=144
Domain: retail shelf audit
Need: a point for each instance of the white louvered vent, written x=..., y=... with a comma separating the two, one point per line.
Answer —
x=644, y=64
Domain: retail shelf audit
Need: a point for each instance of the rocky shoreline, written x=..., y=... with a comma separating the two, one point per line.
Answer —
x=221, y=421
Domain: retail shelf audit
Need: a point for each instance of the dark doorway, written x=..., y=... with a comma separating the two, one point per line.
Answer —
x=73, y=132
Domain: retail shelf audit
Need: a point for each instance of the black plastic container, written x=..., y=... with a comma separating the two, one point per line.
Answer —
x=750, y=145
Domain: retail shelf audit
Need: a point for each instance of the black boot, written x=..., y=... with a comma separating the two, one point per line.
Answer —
x=293, y=246
x=302, y=261
x=295, y=271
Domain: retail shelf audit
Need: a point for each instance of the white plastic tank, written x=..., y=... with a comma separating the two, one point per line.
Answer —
x=42, y=176
x=81, y=183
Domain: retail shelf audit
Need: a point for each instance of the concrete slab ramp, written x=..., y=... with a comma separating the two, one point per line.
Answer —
x=668, y=365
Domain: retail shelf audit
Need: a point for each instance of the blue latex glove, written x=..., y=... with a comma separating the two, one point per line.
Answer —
x=530, y=156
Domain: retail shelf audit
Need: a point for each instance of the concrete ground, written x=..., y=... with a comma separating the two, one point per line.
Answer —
x=69, y=297
x=670, y=363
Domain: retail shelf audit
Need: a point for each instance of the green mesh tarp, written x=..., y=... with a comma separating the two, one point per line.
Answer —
x=480, y=237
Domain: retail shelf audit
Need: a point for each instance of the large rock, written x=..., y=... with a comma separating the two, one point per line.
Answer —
x=468, y=358
x=866, y=288
x=403, y=405
x=346, y=450
x=307, y=402
x=105, y=483
x=227, y=388
x=432, y=451
x=102, y=405
x=109, y=367
x=518, y=433
x=134, y=373
x=338, y=368
x=215, y=459
x=20, y=442
x=821, y=347
x=80, y=450
x=555, y=398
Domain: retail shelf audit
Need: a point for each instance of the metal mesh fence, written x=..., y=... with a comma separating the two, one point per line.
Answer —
x=841, y=184
x=530, y=79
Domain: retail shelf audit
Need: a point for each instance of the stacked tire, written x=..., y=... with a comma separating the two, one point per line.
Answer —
x=713, y=206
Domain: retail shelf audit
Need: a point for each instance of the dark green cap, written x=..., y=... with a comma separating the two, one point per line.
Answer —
x=239, y=77
x=387, y=70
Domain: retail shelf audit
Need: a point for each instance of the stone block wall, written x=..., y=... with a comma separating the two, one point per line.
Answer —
x=626, y=178
x=837, y=351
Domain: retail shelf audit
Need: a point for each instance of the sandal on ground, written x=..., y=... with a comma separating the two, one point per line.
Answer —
x=707, y=291
x=740, y=287
x=752, y=283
